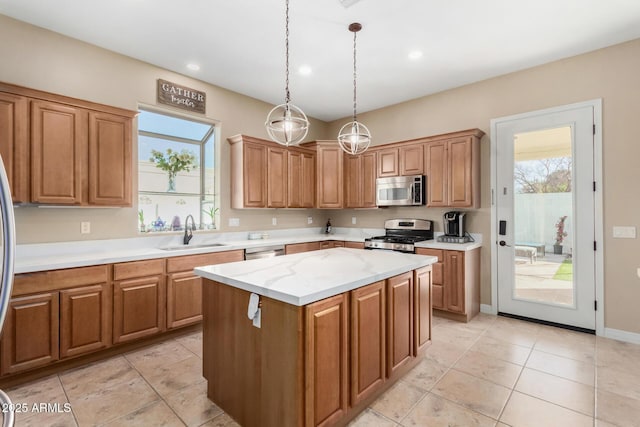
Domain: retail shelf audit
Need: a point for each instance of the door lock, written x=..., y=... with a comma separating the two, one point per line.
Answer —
x=503, y=243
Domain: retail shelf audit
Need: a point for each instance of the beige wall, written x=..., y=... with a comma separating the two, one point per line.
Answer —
x=43, y=60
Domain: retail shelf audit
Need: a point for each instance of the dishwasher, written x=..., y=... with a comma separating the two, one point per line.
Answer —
x=264, y=252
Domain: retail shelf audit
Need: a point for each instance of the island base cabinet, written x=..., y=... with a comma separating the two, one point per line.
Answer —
x=30, y=337
x=326, y=376
x=400, y=321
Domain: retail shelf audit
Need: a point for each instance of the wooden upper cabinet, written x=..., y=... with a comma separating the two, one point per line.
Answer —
x=64, y=151
x=109, y=159
x=329, y=175
x=14, y=144
x=388, y=162
x=301, y=185
x=360, y=180
x=59, y=153
x=277, y=177
x=452, y=167
x=248, y=172
x=411, y=159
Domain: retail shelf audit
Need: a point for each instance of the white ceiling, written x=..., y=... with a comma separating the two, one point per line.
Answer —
x=239, y=44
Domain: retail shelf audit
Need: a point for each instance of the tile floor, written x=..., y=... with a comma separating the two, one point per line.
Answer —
x=492, y=371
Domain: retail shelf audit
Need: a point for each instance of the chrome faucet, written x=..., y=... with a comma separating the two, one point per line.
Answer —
x=188, y=232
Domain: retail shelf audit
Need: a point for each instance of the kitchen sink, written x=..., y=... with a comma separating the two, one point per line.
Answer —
x=185, y=247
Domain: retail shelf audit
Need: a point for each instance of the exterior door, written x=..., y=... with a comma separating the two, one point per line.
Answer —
x=545, y=205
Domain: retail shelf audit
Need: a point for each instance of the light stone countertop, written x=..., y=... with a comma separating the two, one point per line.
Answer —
x=53, y=256
x=308, y=277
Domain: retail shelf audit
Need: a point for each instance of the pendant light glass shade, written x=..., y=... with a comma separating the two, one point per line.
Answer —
x=354, y=137
x=287, y=124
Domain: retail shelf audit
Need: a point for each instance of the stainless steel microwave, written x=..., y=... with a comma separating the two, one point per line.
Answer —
x=400, y=191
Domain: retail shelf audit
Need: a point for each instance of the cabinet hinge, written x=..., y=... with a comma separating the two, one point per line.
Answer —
x=595, y=305
x=594, y=129
x=594, y=186
x=594, y=246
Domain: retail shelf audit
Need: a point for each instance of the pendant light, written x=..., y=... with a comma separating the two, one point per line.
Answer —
x=287, y=124
x=354, y=137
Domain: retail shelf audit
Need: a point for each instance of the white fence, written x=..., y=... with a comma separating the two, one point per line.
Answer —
x=536, y=215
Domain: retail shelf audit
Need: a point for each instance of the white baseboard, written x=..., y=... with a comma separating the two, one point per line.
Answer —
x=620, y=335
x=488, y=309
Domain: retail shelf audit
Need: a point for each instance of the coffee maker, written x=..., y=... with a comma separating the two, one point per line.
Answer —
x=454, y=228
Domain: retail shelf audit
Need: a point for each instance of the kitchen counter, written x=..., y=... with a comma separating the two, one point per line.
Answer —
x=53, y=256
x=308, y=277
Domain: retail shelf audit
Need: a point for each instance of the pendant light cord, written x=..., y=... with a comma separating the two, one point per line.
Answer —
x=354, y=75
x=287, y=97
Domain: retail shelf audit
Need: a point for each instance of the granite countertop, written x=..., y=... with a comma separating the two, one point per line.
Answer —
x=54, y=256
x=307, y=277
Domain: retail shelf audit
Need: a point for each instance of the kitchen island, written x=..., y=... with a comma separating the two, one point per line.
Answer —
x=335, y=328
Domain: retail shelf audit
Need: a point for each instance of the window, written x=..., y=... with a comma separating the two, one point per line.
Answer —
x=176, y=175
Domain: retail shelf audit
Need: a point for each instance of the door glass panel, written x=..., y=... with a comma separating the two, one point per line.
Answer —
x=543, y=213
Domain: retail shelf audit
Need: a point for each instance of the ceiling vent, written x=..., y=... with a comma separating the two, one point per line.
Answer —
x=348, y=3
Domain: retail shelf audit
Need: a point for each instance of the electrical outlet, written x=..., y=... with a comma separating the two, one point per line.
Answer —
x=234, y=222
x=638, y=272
x=309, y=220
x=85, y=227
x=274, y=221
x=353, y=220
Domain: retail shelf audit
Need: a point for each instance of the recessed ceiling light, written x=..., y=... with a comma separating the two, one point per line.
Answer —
x=305, y=70
x=415, y=54
x=193, y=67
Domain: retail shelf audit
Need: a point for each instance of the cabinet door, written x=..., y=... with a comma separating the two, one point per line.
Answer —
x=368, y=176
x=301, y=179
x=14, y=145
x=326, y=363
x=454, y=281
x=138, y=308
x=276, y=177
x=308, y=189
x=459, y=174
x=109, y=160
x=254, y=169
x=399, y=322
x=354, y=245
x=411, y=160
x=30, y=336
x=352, y=182
x=388, y=164
x=422, y=309
x=436, y=171
x=184, y=299
x=368, y=318
x=437, y=276
x=329, y=160
x=85, y=319
x=58, y=153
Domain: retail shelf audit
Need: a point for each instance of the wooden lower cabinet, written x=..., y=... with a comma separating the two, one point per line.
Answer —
x=30, y=337
x=368, y=340
x=85, y=319
x=400, y=322
x=138, y=299
x=354, y=245
x=301, y=247
x=331, y=356
x=326, y=367
x=456, y=282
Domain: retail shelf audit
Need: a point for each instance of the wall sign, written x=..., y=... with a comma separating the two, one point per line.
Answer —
x=181, y=96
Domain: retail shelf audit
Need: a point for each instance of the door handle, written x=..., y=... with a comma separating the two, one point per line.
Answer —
x=503, y=243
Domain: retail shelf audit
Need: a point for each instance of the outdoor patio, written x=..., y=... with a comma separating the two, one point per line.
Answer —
x=545, y=279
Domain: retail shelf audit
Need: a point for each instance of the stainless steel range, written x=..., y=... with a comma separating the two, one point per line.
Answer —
x=401, y=234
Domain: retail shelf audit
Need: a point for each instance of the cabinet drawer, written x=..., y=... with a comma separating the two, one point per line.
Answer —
x=189, y=262
x=30, y=283
x=129, y=270
x=431, y=252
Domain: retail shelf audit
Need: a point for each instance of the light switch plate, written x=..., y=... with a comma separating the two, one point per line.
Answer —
x=354, y=220
x=624, y=232
x=274, y=221
x=234, y=222
x=85, y=227
x=309, y=220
